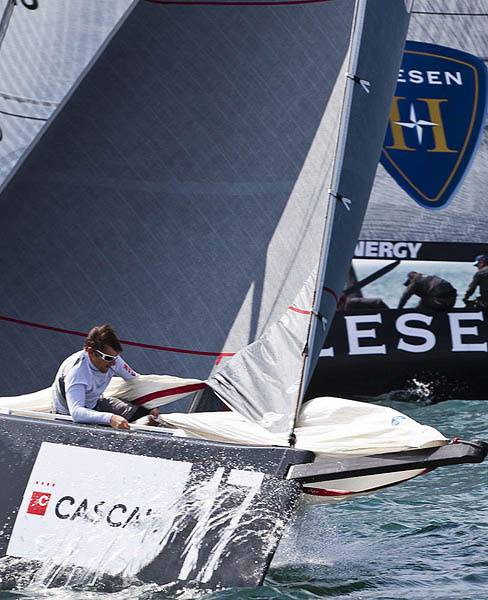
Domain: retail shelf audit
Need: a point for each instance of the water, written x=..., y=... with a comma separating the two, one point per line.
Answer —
x=424, y=539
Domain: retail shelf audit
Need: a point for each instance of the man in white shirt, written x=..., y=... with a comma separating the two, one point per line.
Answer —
x=84, y=376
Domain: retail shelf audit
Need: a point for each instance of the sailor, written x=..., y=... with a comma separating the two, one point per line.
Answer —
x=434, y=292
x=347, y=302
x=480, y=279
x=83, y=377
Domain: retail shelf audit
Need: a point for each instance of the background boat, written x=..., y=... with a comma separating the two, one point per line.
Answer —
x=444, y=358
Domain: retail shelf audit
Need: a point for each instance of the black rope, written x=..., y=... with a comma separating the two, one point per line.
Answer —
x=4, y=112
x=454, y=14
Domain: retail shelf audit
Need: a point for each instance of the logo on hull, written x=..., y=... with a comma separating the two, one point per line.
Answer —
x=38, y=503
x=436, y=122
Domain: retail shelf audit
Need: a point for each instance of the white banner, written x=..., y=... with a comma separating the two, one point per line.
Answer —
x=105, y=511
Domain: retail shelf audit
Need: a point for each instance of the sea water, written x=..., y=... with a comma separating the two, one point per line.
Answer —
x=426, y=539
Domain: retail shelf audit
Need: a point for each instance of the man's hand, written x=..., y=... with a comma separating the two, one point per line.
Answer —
x=118, y=422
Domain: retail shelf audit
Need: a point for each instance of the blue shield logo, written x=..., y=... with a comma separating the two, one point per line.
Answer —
x=436, y=121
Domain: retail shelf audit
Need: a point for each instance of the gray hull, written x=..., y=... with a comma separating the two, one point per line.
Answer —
x=236, y=484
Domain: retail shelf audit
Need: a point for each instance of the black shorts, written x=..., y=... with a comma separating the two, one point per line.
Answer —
x=120, y=407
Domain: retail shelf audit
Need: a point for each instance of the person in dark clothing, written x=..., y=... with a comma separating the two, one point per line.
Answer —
x=359, y=303
x=434, y=292
x=480, y=279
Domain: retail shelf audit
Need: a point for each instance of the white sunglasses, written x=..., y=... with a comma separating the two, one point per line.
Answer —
x=103, y=356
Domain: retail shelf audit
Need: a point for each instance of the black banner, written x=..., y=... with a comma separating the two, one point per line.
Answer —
x=376, y=352
x=410, y=250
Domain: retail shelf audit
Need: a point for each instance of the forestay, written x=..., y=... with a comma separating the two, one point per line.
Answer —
x=266, y=381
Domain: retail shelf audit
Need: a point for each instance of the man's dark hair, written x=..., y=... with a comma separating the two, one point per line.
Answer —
x=101, y=336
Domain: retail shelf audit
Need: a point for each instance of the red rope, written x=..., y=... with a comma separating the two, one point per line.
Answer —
x=326, y=289
x=129, y=343
x=219, y=355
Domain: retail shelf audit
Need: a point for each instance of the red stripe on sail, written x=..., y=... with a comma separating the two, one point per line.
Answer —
x=299, y=310
x=183, y=389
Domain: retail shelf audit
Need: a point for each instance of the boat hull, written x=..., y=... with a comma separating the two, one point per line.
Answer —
x=331, y=491
x=152, y=505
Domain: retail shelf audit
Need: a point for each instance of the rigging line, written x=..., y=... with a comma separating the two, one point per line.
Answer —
x=127, y=342
x=444, y=14
x=236, y=3
x=308, y=312
x=5, y=20
x=4, y=112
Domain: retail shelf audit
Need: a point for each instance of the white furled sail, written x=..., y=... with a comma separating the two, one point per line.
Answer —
x=392, y=214
x=328, y=426
x=266, y=381
x=44, y=47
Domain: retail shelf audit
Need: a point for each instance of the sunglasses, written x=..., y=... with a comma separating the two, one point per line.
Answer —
x=103, y=356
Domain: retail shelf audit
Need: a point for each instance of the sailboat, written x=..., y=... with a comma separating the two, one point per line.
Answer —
x=442, y=351
x=208, y=158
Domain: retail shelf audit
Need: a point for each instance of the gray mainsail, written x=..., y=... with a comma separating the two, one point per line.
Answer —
x=44, y=47
x=355, y=117
x=392, y=214
x=172, y=195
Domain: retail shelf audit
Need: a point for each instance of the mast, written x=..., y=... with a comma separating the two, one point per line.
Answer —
x=345, y=212
x=316, y=318
x=266, y=381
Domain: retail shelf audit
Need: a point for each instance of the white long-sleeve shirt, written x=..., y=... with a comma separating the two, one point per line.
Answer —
x=78, y=386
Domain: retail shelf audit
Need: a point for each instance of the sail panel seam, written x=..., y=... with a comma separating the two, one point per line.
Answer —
x=237, y=3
